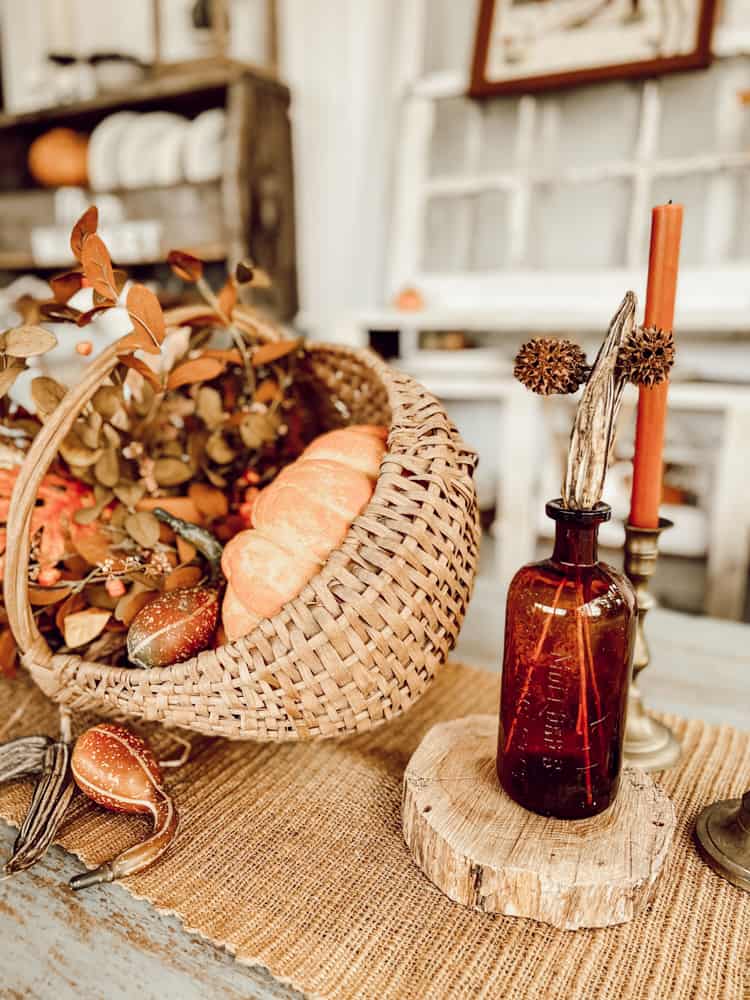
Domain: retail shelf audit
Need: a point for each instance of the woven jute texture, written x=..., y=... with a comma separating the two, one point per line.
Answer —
x=365, y=636
x=292, y=857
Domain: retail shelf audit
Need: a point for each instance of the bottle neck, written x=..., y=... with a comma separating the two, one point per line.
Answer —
x=576, y=544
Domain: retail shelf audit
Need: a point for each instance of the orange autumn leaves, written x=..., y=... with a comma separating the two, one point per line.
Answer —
x=149, y=328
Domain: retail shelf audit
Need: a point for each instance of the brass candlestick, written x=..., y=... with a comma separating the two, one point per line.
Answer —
x=649, y=744
x=723, y=834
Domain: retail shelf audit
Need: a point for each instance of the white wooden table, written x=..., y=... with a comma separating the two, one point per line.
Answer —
x=55, y=945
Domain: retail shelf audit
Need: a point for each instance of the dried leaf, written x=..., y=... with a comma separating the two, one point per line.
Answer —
x=76, y=453
x=28, y=308
x=92, y=543
x=8, y=376
x=98, y=267
x=185, y=551
x=209, y=407
x=85, y=227
x=267, y=353
x=85, y=318
x=8, y=653
x=29, y=341
x=227, y=297
x=171, y=472
x=129, y=493
x=185, y=265
x=148, y=320
x=55, y=312
x=200, y=369
x=218, y=450
x=198, y=313
x=71, y=604
x=267, y=391
x=107, y=468
x=232, y=357
x=130, y=604
x=214, y=478
x=47, y=395
x=244, y=272
x=143, y=527
x=258, y=428
x=107, y=400
x=211, y=503
x=83, y=626
x=89, y=429
x=44, y=596
x=182, y=577
x=130, y=361
x=65, y=285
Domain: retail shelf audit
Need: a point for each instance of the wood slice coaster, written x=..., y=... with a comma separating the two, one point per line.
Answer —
x=485, y=851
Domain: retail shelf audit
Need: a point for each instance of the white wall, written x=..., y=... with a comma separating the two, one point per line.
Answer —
x=337, y=56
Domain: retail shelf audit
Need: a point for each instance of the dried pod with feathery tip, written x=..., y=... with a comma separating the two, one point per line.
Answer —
x=181, y=623
x=551, y=367
x=116, y=769
x=646, y=356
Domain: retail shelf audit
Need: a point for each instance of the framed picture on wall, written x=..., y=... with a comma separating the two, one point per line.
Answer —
x=529, y=45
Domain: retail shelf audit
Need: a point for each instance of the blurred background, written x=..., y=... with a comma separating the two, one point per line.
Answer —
x=436, y=185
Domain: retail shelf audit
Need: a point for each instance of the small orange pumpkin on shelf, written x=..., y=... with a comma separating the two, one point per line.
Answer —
x=298, y=520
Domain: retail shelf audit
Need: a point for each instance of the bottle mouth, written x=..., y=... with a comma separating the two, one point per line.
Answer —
x=600, y=512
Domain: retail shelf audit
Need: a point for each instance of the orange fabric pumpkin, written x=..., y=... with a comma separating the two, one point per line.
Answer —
x=298, y=520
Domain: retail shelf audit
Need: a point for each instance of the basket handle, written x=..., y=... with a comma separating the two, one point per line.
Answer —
x=23, y=499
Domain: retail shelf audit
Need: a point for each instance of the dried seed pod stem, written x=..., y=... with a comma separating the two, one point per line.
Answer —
x=203, y=540
x=23, y=757
x=50, y=800
x=593, y=431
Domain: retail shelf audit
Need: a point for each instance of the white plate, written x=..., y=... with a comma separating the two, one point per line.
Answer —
x=168, y=154
x=204, y=146
x=136, y=159
x=103, y=150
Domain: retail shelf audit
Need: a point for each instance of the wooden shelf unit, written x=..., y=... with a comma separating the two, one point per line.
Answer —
x=248, y=212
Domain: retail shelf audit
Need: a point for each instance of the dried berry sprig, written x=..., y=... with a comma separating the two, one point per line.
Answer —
x=646, y=356
x=551, y=367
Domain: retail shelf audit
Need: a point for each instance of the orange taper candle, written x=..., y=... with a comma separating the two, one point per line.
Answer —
x=664, y=256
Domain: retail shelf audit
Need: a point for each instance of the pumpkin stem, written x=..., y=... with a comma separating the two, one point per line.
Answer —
x=203, y=540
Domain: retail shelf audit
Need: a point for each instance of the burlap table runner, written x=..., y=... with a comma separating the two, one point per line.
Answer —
x=292, y=857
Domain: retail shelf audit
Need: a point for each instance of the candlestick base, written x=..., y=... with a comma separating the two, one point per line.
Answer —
x=722, y=832
x=649, y=744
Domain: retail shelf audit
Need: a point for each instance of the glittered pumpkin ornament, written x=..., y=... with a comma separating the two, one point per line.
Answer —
x=180, y=623
x=116, y=769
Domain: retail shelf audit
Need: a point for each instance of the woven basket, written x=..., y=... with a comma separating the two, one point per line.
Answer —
x=363, y=639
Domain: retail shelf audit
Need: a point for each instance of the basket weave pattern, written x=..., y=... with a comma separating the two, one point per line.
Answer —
x=363, y=639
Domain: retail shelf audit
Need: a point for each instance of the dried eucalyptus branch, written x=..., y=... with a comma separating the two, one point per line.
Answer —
x=594, y=427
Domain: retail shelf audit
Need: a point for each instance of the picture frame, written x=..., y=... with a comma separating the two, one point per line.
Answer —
x=524, y=46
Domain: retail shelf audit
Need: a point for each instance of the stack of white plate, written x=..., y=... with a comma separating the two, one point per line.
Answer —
x=156, y=149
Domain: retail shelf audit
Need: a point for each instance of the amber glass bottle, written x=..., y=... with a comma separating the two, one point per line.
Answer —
x=569, y=630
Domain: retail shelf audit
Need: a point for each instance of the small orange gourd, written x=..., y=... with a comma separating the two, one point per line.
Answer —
x=116, y=768
x=298, y=520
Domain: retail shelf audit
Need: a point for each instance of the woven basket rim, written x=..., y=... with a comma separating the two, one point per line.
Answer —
x=173, y=672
